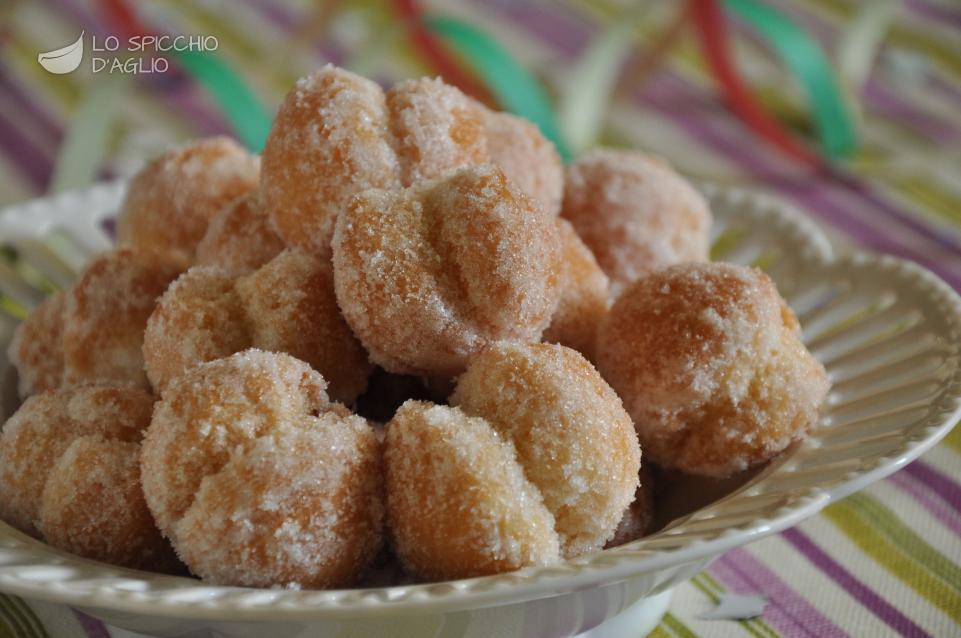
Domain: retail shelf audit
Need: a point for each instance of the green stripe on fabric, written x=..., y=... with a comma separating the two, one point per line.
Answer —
x=875, y=545
x=899, y=533
x=678, y=628
x=660, y=632
x=15, y=618
x=38, y=625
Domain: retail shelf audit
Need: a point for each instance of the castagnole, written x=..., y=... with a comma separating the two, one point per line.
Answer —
x=240, y=238
x=584, y=295
x=36, y=350
x=259, y=480
x=338, y=134
x=287, y=305
x=710, y=364
x=635, y=213
x=430, y=275
x=170, y=202
x=534, y=460
x=69, y=473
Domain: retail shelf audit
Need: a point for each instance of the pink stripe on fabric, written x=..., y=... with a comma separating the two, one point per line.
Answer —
x=928, y=498
x=788, y=611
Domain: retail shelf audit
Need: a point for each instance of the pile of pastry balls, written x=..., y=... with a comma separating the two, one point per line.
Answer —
x=199, y=400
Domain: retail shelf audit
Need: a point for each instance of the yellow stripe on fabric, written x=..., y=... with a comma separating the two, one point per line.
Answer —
x=678, y=628
x=660, y=632
x=953, y=439
x=15, y=618
x=899, y=533
x=866, y=536
x=38, y=626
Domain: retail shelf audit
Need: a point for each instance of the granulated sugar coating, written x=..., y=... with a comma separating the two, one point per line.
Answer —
x=527, y=158
x=709, y=362
x=68, y=473
x=171, y=201
x=93, y=506
x=338, y=134
x=584, y=295
x=106, y=315
x=428, y=276
x=37, y=348
x=240, y=239
x=458, y=502
x=635, y=213
x=288, y=305
x=639, y=516
x=259, y=480
x=573, y=438
x=199, y=318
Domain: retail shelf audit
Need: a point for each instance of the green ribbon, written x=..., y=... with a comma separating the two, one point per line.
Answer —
x=515, y=88
x=807, y=62
x=243, y=110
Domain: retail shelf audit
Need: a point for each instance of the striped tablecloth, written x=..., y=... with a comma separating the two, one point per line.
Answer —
x=884, y=561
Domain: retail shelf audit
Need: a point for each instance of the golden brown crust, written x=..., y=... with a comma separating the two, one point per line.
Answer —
x=171, y=201
x=240, y=238
x=428, y=276
x=709, y=362
x=584, y=296
x=635, y=213
x=37, y=348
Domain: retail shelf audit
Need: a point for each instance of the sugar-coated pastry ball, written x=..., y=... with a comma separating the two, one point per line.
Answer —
x=68, y=474
x=93, y=506
x=329, y=141
x=639, y=516
x=575, y=441
x=240, y=239
x=288, y=305
x=635, y=213
x=709, y=361
x=259, y=480
x=37, y=348
x=428, y=276
x=199, y=318
x=106, y=315
x=527, y=158
x=585, y=290
x=459, y=504
x=338, y=134
x=171, y=201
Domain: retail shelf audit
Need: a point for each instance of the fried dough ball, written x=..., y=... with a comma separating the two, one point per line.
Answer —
x=635, y=213
x=428, y=276
x=68, y=473
x=93, y=506
x=575, y=441
x=584, y=295
x=338, y=134
x=171, y=201
x=709, y=361
x=240, y=239
x=37, y=348
x=528, y=159
x=106, y=315
x=639, y=516
x=287, y=306
x=259, y=480
x=458, y=502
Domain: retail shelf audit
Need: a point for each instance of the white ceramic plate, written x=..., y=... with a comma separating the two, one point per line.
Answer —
x=888, y=332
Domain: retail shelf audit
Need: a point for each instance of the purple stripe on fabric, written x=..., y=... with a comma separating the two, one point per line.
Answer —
x=34, y=163
x=946, y=487
x=30, y=106
x=878, y=95
x=936, y=12
x=814, y=199
x=928, y=499
x=91, y=626
x=289, y=21
x=564, y=31
x=787, y=611
x=868, y=598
